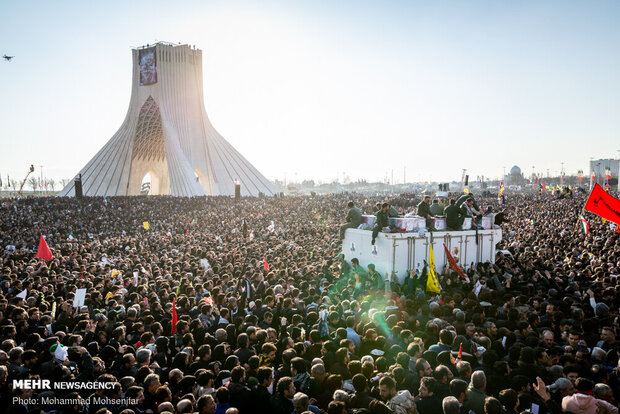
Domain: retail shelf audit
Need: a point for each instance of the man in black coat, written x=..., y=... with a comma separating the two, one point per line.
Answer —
x=261, y=395
x=428, y=403
x=281, y=402
x=240, y=394
x=454, y=216
x=361, y=398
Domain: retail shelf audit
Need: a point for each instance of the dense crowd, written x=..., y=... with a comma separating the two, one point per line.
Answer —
x=271, y=319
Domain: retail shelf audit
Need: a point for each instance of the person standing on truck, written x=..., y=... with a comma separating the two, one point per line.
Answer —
x=424, y=210
x=354, y=219
x=469, y=210
x=454, y=216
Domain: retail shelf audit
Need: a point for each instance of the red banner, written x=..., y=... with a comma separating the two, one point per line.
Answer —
x=453, y=266
x=604, y=205
x=173, y=322
x=43, y=250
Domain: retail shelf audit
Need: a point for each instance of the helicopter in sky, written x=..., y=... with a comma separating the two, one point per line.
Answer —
x=7, y=58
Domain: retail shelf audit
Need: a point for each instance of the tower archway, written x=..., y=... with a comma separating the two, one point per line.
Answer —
x=149, y=153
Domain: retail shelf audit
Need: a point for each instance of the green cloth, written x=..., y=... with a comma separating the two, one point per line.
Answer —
x=392, y=212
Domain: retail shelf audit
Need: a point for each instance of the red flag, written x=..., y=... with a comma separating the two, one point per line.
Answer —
x=604, y=205
x=173, y=327
x=453, y=266
x=266, y=264
x=208, y=300
x=44, y=251
x=459, y=356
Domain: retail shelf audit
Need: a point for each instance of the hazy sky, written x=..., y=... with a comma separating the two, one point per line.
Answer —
x=312, y=89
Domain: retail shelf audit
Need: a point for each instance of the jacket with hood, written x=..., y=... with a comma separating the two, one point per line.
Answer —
x=586, y=404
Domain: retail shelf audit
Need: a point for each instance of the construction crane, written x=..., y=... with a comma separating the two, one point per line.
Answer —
x=30, y=171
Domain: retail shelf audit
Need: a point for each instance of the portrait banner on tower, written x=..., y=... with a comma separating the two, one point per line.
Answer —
x=148, y=66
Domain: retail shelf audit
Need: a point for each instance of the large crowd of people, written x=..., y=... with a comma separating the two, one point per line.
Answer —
x=215, y=305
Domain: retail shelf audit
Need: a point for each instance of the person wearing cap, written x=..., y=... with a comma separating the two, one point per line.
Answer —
x=353, y=218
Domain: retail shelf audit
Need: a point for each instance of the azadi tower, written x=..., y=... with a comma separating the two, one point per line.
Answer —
x=167, y=134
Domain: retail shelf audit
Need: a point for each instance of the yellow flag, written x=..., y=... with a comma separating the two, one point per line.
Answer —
x=431, y=282
x=466, y=190
x=603, y=220
x=145, y=224
x=108, y=296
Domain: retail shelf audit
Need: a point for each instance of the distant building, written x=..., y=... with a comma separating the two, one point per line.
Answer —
x=598, y=167
x=515, y=177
